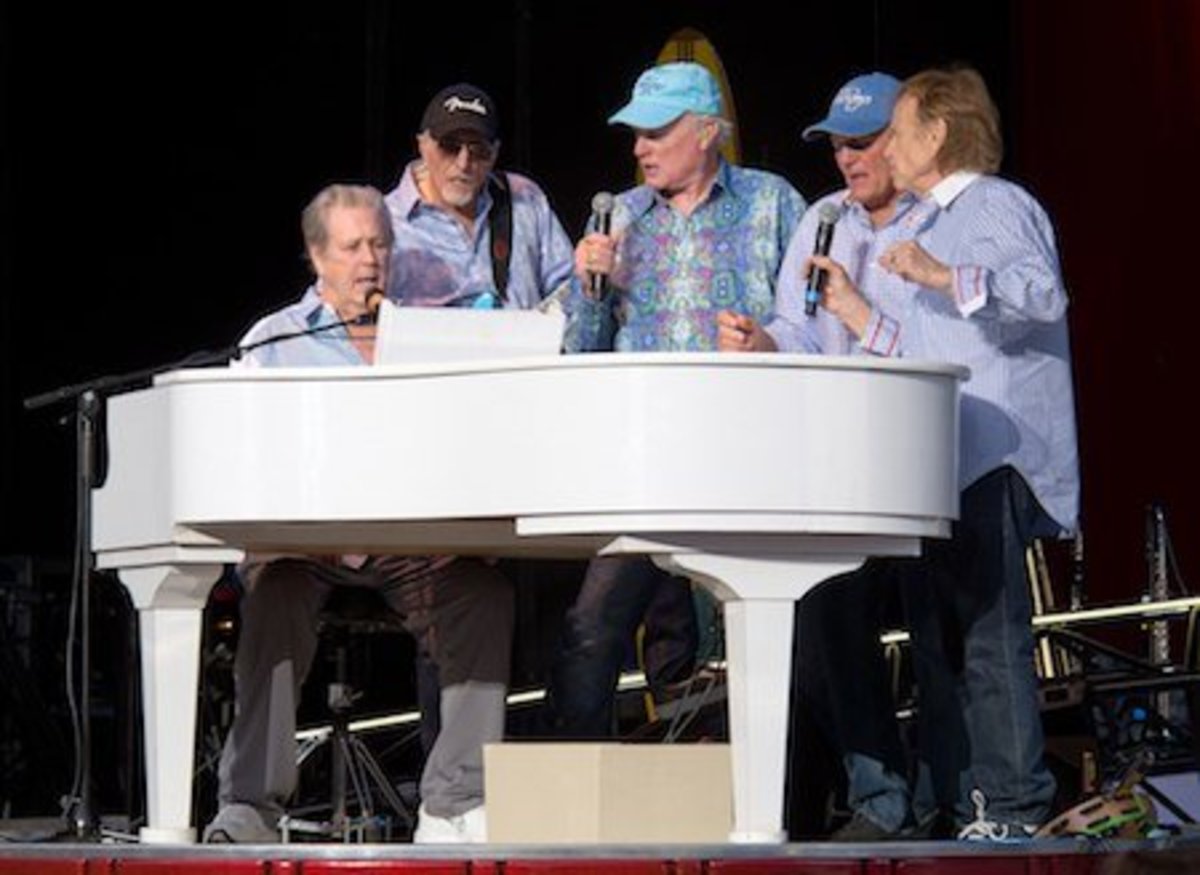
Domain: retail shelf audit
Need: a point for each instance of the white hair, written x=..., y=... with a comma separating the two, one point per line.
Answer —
x=724, y=127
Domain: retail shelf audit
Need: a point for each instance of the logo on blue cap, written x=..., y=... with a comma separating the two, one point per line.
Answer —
x=664, y=93
x=862, y=106
x=852, y=99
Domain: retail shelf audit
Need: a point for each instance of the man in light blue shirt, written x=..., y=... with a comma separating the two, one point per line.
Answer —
x=988, y=294
x=460, y=610
x=838, y=624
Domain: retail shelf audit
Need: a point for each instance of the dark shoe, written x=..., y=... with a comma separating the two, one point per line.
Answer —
x=861, y=828
x=240, y=824
x=935, y=827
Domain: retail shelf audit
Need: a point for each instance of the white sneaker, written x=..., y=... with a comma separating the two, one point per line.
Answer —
x=470, y=827
x=241, y=824
x=981, y=829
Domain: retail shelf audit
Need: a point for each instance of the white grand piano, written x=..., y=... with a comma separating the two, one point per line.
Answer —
x=756, y=475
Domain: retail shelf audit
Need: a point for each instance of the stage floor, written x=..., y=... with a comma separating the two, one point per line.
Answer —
x=1049, y=857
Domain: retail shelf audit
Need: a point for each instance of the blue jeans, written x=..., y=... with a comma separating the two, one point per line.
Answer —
x=969, y=612
x=617, y=593
x=841, y=683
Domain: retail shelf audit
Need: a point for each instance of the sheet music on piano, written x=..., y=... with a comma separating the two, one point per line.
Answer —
x=407, y=335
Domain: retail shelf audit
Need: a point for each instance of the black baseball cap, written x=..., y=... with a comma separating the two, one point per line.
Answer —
x=461, y=107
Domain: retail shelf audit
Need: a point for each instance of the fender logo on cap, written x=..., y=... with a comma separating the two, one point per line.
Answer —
x=454, y=104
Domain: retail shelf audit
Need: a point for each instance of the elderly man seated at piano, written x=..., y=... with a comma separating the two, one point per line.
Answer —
x=459, y=609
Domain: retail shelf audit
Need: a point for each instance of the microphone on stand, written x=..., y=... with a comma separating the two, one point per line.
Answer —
x=372, y=300
x=828, y=215
x=205, y=358
x=91, y=453
x=602, y=207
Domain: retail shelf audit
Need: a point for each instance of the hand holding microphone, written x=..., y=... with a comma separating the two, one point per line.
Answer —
x=595, y=256
x=841, y=298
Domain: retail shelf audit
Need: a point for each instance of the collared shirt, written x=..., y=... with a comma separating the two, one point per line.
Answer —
x=437, y=263
x=275, y=348
x=675, y=273
x=1007, y=322
x=856, y=246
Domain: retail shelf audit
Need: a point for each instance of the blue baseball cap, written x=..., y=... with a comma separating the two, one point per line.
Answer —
x=862, y=106
x=664, y=93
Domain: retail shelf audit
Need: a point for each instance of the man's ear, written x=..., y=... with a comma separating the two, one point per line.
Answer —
x=938, y=131
x=314, y=261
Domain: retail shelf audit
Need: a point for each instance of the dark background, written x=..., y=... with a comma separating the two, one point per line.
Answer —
x=153, y=165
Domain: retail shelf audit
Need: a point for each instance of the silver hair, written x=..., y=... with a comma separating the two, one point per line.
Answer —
x=313, y=220
x=724, y=127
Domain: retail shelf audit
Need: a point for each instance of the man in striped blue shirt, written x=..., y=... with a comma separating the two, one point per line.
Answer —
x=872, y=215
x=986, y=293
x=838, y=624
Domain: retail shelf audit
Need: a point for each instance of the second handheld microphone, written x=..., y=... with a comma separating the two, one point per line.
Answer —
x=828, y=216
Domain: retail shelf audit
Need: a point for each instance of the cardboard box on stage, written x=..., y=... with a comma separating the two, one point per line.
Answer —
x=585, y=792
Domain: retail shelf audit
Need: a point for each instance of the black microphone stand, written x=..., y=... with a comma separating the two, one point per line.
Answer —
x=82, y=819
x=80, y=813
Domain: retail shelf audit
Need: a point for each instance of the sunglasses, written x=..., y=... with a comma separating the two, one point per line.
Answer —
x=478, y=150
x=854, y=144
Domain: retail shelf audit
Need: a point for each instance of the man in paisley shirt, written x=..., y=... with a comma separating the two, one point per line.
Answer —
x=443, y=211
x=699, y=238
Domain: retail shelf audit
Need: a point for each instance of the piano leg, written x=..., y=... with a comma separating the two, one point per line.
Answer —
x=759, y=597
x=170, y=602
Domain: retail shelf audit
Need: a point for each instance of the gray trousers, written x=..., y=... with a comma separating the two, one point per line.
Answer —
x=461, y=615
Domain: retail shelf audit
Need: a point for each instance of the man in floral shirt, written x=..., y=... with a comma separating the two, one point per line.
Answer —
x=698, y=239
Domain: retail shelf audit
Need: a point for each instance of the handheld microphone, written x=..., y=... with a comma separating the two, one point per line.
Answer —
x=602, y=207
x=828, y=216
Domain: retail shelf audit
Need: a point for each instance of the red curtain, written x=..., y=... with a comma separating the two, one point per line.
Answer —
x=1107, y=135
